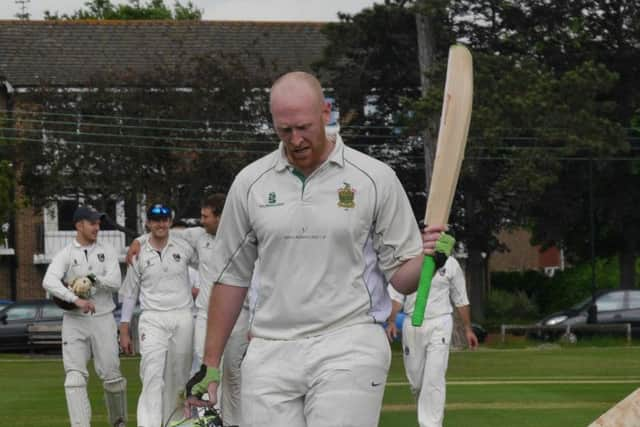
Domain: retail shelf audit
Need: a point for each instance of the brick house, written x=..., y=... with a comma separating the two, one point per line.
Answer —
x=67, y=54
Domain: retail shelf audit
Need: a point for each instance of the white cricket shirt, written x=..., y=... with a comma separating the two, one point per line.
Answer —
x=160, y=279
x=447, y=286
x=310, y=236
x=75, y=261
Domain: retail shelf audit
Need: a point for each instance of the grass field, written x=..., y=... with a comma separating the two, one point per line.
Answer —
x=546, y=387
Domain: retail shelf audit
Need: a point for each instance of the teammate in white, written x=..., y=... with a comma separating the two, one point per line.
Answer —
x=159, y=277
x=426, y=348
x=307, y=212
x=202, y=239
x=90, y=329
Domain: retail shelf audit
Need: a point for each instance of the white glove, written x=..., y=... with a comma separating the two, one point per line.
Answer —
x=82, y=286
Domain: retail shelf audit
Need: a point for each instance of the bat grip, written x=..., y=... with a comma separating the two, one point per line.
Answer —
x=428, y=268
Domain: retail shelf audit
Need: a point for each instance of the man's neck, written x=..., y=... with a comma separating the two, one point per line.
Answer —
x=158, y=243
x=83, y=242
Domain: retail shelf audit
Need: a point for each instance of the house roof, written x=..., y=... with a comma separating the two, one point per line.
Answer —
x=70, y=53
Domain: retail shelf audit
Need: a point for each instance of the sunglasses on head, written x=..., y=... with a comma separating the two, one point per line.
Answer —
x=160, y=210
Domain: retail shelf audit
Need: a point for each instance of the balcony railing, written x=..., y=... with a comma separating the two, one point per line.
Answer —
x=54, y=241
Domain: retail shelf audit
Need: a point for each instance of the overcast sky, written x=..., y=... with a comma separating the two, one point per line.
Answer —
x=245, y=10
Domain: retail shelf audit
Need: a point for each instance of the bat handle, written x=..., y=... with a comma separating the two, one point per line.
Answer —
x=428, y=268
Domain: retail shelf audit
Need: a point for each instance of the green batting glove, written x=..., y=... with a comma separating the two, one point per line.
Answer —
x=199, y=383
x=444, y=247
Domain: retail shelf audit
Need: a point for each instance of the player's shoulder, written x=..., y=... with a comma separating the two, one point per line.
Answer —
x=258, y=168
x=374, y=168
x=106, y=249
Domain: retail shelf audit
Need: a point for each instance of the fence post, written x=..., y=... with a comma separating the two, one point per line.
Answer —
x=503, y=330
x=628, y=333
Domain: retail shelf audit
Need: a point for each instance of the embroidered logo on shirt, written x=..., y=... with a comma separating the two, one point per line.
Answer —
x=75, y=261
x=442, y=271
x=406, y=350
x=176, y=257
x=101, y=257
x=272, y=200
x=346, y=196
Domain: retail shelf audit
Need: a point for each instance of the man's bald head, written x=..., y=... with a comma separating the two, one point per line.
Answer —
x=297, y=84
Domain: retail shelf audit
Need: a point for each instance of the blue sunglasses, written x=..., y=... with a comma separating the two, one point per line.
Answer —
x=160, y=211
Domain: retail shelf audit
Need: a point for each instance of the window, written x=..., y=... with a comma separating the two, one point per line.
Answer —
x=22, y=312
x=634, y=299
x=611, y=301
x=51, y=311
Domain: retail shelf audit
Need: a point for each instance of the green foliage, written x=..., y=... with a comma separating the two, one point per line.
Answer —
x=563, y=290
x=510, y=307
x=135, y=10
x=149, y=137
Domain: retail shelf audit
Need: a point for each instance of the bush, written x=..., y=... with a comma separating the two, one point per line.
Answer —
x=561, y=291
x=510, y=307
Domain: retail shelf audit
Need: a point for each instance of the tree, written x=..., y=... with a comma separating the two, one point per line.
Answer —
x=154, y=9
x=170, y=135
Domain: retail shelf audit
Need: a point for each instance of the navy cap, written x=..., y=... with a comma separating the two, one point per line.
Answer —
x=158, y=211
x=85, y=212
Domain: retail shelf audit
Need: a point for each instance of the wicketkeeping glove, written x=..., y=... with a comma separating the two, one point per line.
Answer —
x=199, y=383
x=444, y=247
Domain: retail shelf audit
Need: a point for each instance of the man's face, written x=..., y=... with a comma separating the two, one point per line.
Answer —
x=299, y=119
x=159, y=227
x=209, y=220
x=88, y=230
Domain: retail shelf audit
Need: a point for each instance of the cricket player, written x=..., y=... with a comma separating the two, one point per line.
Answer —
x=202, y=239
x=159, y=278
x=426, y=348
x=89, y=329
x=309, y=212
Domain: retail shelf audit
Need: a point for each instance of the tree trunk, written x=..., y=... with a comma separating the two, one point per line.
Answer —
x=477, y=283
x=426, y=50
x=627, y=266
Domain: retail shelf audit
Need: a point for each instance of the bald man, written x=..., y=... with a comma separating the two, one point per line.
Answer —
x=320, y=215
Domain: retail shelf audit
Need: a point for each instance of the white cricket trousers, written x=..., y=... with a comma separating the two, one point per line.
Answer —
x=166, y=349
x=426, y=357
x=333, y=380
x=234, y=350
x=83, y=337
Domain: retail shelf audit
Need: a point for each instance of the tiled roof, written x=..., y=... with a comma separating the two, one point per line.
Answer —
x=69, y=53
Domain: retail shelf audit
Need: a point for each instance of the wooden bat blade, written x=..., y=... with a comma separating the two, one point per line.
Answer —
x=452, y=135
x=452, y=139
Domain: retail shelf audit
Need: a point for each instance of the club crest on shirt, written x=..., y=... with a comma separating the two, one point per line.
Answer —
x=442, y=271
x=101, y=257
x=346, y=196
x=176, y=257
x=272, y=201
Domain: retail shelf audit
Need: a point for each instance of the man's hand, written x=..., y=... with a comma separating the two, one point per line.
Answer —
x=472, y=340
x=125, y=339
x=204, y=381
x=85, y=305
x=391, y=330
x=194, y=292
x=132, y=253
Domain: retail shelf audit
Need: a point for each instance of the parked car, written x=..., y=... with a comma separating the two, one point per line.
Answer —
x=16, y=318
x=611, y=307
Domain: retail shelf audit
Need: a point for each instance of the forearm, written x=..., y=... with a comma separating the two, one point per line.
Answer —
x=465, y=315
x=55, y=287
x=225, y=304
x=395, y=309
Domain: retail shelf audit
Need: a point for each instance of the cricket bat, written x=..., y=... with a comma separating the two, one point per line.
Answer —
x=452, y=139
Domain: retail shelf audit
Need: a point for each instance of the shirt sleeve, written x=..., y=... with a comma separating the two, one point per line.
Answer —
x=113, y=278
x=458, y=283
x=396, y=236
x=128, y=305
x=131, y=284
x=236, y=241
x=52, y=281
